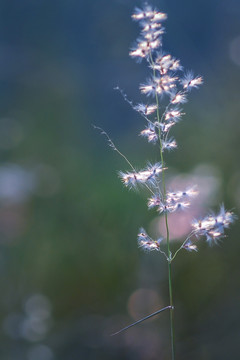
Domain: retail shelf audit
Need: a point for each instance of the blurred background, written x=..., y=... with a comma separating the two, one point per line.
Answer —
x=70, y=270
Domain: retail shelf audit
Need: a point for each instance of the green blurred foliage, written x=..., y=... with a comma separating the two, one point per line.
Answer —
x=68, y=227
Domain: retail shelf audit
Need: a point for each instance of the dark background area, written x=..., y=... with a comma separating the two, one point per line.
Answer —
x=70, y=270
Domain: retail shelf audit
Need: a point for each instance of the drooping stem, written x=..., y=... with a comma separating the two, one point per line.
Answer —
x=166, y=224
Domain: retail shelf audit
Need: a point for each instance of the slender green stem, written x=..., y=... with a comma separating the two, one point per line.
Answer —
x=167, y=228
x=170, y=286
x=171, y=310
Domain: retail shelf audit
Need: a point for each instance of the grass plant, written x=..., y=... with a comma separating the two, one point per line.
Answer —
x=167, y=89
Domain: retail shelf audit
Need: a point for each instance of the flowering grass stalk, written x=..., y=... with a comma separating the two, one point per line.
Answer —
x=168, y=84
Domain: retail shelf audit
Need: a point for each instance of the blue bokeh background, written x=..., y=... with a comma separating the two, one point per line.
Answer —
x=70, y=270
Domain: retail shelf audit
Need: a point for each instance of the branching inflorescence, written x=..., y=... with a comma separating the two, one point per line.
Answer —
x=167, y=80
x=168, y=84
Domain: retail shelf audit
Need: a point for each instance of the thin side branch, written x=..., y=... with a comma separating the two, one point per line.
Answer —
x=143, y=319
x=112, y=145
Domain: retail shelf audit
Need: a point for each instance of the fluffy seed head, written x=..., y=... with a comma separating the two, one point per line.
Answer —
x=173, y=114
x=189, y=82
x=147, y=176
x=146, y=243
x=189, y=246
x=212, y=226
x=150, y=134
x=169, y=144
x=154, y=201
x=146, y=109
x=178, y=98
